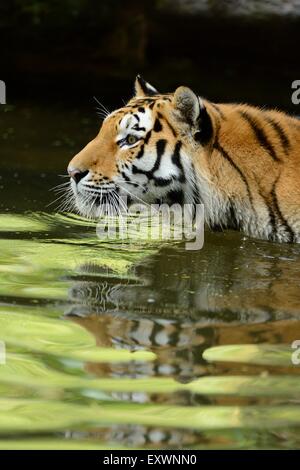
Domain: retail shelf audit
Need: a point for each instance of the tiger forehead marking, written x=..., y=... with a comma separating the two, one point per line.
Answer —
x=241, y=162
x=137, y=123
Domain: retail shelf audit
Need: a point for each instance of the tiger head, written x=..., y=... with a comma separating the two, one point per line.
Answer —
x=144, y=151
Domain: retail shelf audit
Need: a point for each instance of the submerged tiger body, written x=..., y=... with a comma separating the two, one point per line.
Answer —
x=241, y=162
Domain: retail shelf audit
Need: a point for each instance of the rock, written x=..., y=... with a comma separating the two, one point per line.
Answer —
x=233, y=8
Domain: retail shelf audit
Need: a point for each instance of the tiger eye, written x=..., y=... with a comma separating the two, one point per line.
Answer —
x=131, y=139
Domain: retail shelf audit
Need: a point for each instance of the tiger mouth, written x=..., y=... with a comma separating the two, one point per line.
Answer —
x=100, y=201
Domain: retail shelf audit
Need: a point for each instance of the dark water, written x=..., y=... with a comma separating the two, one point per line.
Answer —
x=220, y=321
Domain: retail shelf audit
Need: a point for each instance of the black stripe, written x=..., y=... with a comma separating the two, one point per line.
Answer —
x=225, y=155
x=281, y=134
x=232, y=221
x=126, y=178
x=168, y=124
x=271, y=214
x=147, y=137
x=162, y=181
x=137, y=171
x=260, y=135
x=160, y=148
x=222, y=115
x=176, y=197
x=281, y=217
x=141, y=110
x=157, y=125
x=196, y=193
x=141, y=152
x=176, y=160
x=205, y=132
x=275, y=214
x=172, y=128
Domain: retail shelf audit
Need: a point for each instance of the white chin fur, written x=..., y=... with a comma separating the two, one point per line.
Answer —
x=88, y=209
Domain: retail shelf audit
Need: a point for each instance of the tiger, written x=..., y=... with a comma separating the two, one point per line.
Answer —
x=241, y=162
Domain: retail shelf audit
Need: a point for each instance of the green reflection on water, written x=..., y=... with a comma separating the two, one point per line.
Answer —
x=141, y=346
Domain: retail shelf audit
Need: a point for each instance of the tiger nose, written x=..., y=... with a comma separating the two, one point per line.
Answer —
x=77, y=174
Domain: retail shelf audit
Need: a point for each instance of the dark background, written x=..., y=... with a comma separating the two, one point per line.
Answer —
x=68, y=51
x=57, y=55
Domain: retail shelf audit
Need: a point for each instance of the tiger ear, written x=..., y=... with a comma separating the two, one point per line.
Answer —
x=192, y=110
x=143, y=88
x=188, y=104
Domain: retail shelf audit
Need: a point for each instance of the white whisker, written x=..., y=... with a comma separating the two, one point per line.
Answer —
x=102, y=107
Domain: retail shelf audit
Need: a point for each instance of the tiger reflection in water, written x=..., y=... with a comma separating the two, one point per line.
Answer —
x=178, y=304
x=182, y=300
